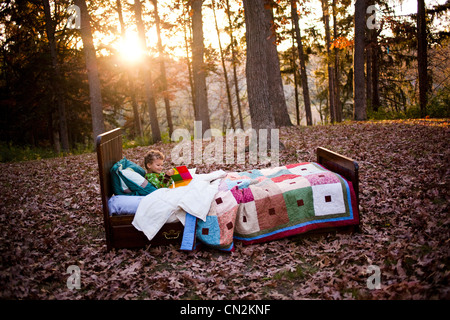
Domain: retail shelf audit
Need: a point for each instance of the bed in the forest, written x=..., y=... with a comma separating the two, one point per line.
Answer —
x=252, y=206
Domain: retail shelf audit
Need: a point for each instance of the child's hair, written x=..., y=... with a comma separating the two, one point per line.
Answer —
x=151, y=156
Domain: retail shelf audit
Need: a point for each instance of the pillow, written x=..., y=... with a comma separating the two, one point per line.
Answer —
x=127, y=178
x=121, y=204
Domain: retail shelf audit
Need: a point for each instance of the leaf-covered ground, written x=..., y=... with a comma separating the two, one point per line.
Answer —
x=50, y=219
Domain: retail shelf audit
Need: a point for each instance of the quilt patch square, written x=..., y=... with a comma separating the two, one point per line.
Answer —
x=208, y=231
x=223, y=185
x=265, y=189
x=242, y=195
x=240, y=183
x=252, y=174
x=284, y=177
x=271, y=211
x=271, y=171
x=299, y=204
x=279, y=173
x=293, y=165
x=226, y=225
x=323, y=178
x=328, y=199
x=247, y=195
x=292, y=184
x=246, y=219
x=305, y=169
x=226, y=203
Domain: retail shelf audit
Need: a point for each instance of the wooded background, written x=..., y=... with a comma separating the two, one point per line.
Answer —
x=227, y=63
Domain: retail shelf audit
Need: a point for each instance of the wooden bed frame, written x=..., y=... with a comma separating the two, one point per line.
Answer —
x=119, y=231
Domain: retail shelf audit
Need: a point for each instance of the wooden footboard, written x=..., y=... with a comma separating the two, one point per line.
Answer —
x=346, y=167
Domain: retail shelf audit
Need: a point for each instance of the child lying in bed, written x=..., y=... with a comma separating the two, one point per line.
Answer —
x=154, y=161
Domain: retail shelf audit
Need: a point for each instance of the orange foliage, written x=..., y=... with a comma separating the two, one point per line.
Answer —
x=342, y=43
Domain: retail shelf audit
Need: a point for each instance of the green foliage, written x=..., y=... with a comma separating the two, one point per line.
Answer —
x=13, y=153
x=139, y=141
x=384, y=114
x=10, y=152
x=438, y=107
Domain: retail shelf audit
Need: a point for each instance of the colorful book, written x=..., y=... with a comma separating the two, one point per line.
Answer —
x=181, y=173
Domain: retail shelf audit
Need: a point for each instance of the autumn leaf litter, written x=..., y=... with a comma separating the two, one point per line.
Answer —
x=51, y=219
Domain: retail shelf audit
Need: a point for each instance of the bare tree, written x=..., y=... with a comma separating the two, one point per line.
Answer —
x=147, y=76
x=359, y=96
x=336, y=83
x=95, y=93
x=198, y=67
x=234, y=63
x=56, y=79
x=422, y=57
x=256, y=67
x=131, y=77
x=225, y=73
x=331, y=91
x=303, y=75
x=163, y=68
x=276, y=91
x=187, y=41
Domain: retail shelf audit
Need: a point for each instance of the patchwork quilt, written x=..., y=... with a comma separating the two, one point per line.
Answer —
x=267, y=204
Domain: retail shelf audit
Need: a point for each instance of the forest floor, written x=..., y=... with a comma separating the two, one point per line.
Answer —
x=50, y=219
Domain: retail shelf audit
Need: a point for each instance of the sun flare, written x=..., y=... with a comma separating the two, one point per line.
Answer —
x=130, y=48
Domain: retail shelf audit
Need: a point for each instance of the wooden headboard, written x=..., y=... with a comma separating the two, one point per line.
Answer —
x=109, y=151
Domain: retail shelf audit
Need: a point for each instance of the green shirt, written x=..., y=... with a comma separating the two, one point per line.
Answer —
x=159, y=180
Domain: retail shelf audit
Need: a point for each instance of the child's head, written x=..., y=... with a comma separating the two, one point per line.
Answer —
x=154, y=161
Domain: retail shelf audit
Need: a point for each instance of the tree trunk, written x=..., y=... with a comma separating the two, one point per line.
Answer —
x=336, y=83
x=331, y=96
x=147, y=77
x=95, y=93
x=198, y=68
x=256, y=66
x=188, y=59
x=304, y=76
x=375, y=77
x=422, y=56
x=234, y=62
x=163, y=69
x=368, y=58
x=276, y=90
x=137, y=119
x=225, y=74
x=372, y=70
x=294, y=71
x=130, y=77
x=56, y=78
x=359, y=106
